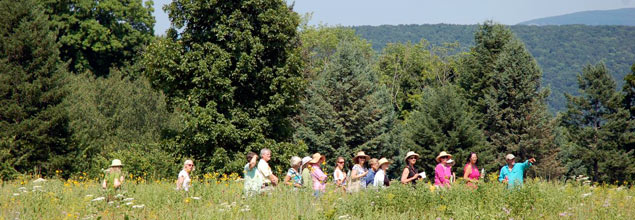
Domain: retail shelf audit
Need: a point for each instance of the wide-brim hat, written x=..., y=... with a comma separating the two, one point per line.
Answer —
x=410, y=154
x=305, y=160
x=360, y=154
x=450, y=161
x=317, y=157
x=382, y=161
x=116, y=163
x=443, y=154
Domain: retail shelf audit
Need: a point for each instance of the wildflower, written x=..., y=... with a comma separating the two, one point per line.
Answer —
x=98, y=199
x=128, y=203
x=118, y=196
x=586, y=194
x=506, y=210
x=196, y=198
x=187, y=200
x=128, y=199
x=89, y=195
x=16, y=194
x=138, y=206
x=344, y=217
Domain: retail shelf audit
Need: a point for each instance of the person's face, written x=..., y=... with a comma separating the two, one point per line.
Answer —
x=266, y=156
x=375, y=166
x=361, y=160
x=384, y=166
x=412, y=160
x=340, y=164
x=189, y=166
x=511, y=162
x=473, y=158
x=444, y=159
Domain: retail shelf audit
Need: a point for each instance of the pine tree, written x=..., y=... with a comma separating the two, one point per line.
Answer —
x=629, y=92
x=504, y=87
x=443, y=121
x=33, y=124
x=599, y=129
x=346, y=109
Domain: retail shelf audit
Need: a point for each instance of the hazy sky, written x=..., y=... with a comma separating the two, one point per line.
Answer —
x=377, y=12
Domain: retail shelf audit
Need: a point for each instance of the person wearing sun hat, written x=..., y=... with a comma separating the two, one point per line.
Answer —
x=318, y=177
x=381, y=179
x=183, y=179
x=442, y=172
x=307, y=181
x=113, y=180
x=512, y=173
x=410, y=173
x=358, y=172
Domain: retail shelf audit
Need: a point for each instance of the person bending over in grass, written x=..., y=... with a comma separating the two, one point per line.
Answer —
x=442, y=172
x=512, y=173
x=339, y=175
x=307, y=181
x=253, y=181
x=113, y=180
x=381, y=177
x=319, y=178
x=264, y=170
x=470, y=171
x=358, y=172
x=293, y=177
x=184, y=182
x=374, y=167
x=410, y=173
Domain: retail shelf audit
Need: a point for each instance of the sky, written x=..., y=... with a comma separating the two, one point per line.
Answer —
x=378, y=12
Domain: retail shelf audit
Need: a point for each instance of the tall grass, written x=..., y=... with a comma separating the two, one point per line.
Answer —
x=221, y=198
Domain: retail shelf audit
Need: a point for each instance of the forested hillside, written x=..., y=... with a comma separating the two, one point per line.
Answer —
x=622, y=16
x=561, y=51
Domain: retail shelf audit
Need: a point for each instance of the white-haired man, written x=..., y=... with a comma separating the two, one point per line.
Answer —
x=265, y=170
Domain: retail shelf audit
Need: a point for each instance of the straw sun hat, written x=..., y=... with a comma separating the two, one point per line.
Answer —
x=360, y=154
x=305, y=160
x=116, y=163
x=317, y=157
x=411, y=153
x=382, y=161
x=443, y=154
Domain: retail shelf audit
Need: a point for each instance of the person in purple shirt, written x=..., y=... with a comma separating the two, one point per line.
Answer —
x=512, y=173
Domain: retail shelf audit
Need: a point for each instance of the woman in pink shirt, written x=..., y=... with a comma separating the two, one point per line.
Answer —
x=442, y=173
x=470, y=172
x=319, y=178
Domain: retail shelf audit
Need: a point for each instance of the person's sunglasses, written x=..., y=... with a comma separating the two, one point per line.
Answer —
x=340, y=162
x=189, y=165
x=412, y=158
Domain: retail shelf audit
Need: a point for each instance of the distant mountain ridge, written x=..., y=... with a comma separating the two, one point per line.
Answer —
x=560, y=50
x=624, y=16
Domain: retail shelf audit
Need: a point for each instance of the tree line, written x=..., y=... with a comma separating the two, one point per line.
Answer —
x=86, y=81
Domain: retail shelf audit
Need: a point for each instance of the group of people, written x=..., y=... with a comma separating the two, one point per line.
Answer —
x=307, y=172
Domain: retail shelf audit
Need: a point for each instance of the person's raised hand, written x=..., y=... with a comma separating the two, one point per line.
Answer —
x=532, y=160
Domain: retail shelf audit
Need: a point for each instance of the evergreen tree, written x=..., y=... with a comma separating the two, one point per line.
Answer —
x=599, y=129
x=33, y=124
x=346, y=109
x=235, y=74
x=96, y=35
x=443, y=121
x=504, y=86
x=629, y=92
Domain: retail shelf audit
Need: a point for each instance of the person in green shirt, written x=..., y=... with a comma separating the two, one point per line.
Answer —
x=307, y=181
x=113, y=180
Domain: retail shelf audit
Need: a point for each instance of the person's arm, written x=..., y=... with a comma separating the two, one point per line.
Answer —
x=438, y=174
x=501, y=176
x=179, y=182
x=356, y=176
x=103, y=185
x=253, y=162
x=404, y=176
x=274, y=179
x=286, y=180
x=116, y=183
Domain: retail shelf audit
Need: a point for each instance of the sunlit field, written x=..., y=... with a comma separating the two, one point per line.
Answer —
x=220, y=197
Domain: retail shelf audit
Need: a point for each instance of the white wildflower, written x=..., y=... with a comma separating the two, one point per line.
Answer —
x=89, y=195
x=39, y=180
x=98, y=199
x=128, y=203
x=16, y=194
x=138, y=206
x=119, y=196
x=196, y=198
x=586, y=194
x=128, y=199
x=344, y=217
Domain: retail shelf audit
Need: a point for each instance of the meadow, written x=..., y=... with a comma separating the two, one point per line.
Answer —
x=217, y=196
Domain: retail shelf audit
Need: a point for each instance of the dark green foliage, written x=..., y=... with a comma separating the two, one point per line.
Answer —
x=599, y=129
x=503, y=81
x=347, y=109
x=559, y=50
x=235, y=74
x=406, y=69
x=33, y=130
x=97, y=35
x=118, y=117
x=443, y=121
x=629, y=92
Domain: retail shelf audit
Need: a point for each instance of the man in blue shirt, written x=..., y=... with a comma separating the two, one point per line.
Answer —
x=512, y=173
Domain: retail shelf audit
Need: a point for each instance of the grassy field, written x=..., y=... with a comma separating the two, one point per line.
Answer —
x=220, y=197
